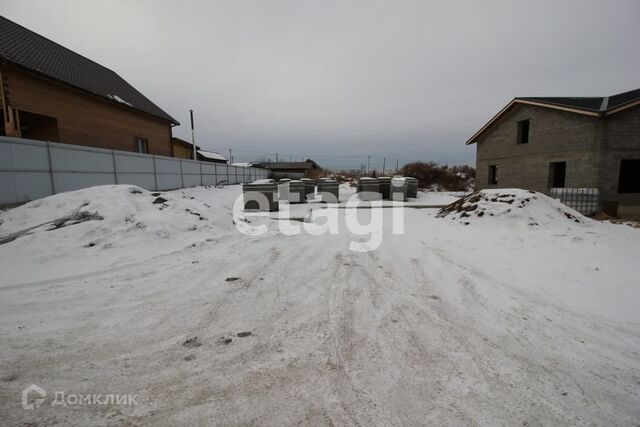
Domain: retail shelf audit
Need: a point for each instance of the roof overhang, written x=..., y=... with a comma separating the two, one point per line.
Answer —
x=623, y=107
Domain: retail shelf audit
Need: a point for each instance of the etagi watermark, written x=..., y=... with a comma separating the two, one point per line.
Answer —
x=362, y=219
x=34, y=396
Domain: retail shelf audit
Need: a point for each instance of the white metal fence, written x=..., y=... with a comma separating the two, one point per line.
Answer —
x=32, y=169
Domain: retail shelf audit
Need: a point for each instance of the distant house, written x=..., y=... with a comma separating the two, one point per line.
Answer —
x=49, y=92
x=184, y=150
x=292, y=169
x=543, y=143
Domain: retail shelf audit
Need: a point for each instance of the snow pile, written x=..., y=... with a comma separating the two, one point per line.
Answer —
x=102, y=226
x=513, y=204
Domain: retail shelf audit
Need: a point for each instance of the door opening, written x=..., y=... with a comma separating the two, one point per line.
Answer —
x=629, y=179
x=557, y=174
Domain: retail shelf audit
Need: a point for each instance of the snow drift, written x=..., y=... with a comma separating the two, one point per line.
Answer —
x=513, y=205
x=105, y=226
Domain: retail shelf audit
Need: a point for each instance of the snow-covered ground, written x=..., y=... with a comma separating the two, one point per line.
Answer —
x=524, y=314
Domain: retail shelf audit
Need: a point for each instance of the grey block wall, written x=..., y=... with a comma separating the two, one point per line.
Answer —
x=620, y=136
x=592, y=147
x=554, y=136
x=32, y=169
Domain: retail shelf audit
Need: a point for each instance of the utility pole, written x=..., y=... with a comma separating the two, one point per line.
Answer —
x=384, y=159
x=193, y=137
x=368, y=164
x=397, y=165
x=276, y=157
x=230, y=156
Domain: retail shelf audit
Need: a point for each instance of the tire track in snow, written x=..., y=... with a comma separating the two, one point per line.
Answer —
x=350, y=282
x=486, y=358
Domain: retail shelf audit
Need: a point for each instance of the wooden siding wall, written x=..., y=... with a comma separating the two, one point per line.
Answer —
x=83, y=119
x=181, y=151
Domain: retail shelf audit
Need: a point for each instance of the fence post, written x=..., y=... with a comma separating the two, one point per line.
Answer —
x=215, y=174
x=201, y=177
x=115, y=170
x=53, y=181
x=181, y=175
x=155, y=175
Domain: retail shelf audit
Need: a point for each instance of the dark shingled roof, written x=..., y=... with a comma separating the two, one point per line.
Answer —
x=598, y=104
x=592, y=104
x=623, y=98
x=36, y=53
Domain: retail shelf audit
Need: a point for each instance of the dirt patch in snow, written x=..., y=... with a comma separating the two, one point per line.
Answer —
x=192, y=342
x=159, y=200
x=225, y=340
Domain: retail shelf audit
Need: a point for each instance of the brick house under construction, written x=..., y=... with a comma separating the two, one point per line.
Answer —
x=543, y=143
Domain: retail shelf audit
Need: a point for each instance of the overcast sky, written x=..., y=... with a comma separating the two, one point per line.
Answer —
x=410, y=80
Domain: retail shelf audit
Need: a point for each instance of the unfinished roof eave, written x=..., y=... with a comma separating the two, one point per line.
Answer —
x=475, y=136
x=623, y=107
x=498, y=116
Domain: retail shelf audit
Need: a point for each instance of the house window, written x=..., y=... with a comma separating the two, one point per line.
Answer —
x=493, y=175
x=523, y=132
x=141, y=145
x=557, y=174
x=629, y=179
